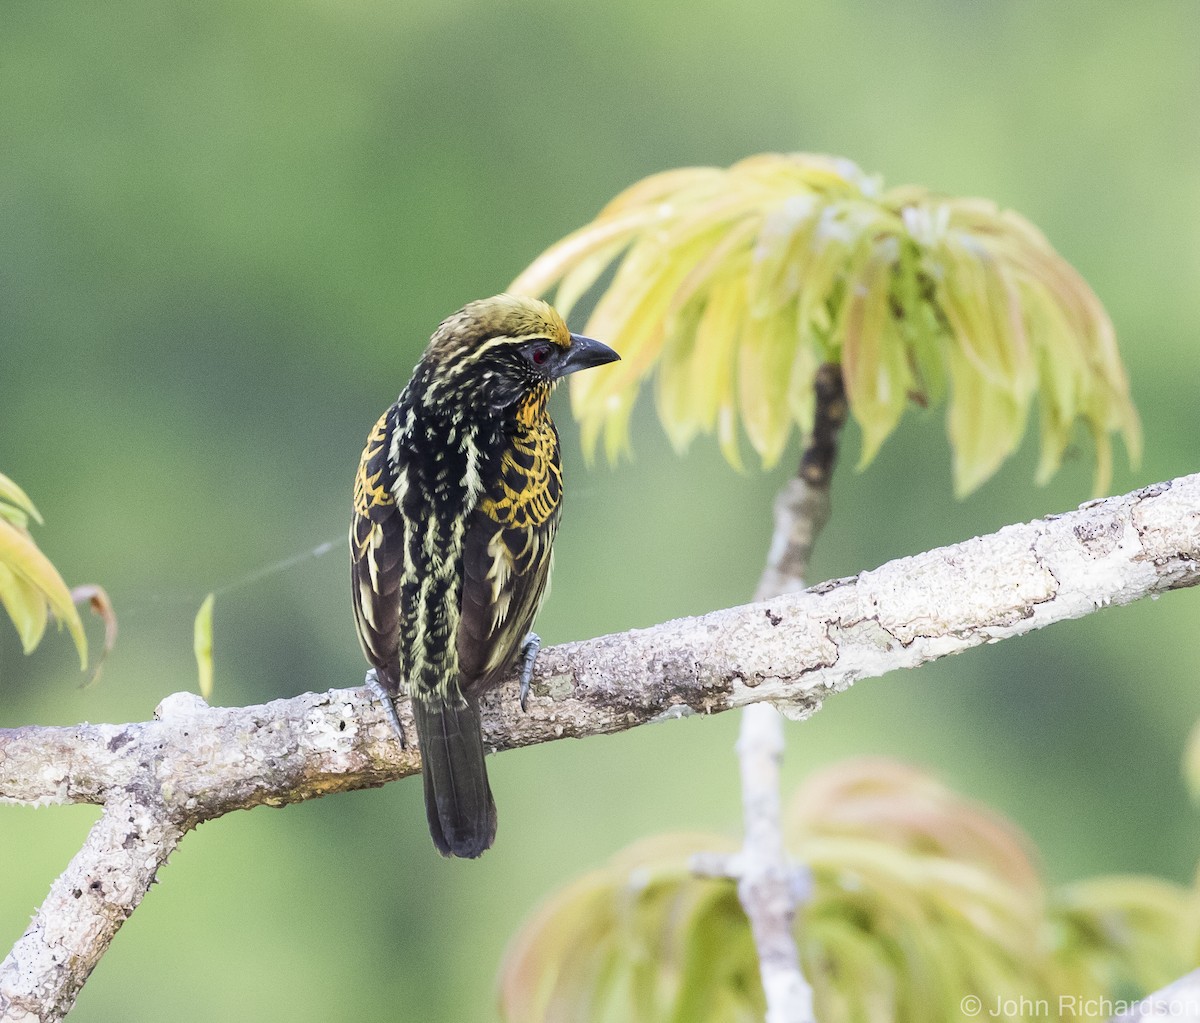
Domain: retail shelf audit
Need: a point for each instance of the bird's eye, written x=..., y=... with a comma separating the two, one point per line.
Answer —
x=539, y=353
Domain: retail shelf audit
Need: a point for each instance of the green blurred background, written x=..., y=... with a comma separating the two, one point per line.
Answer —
x=226, y=231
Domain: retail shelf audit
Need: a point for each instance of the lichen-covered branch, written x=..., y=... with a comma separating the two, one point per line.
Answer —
x=101, y=887
x=770, y=886
x=193, y=762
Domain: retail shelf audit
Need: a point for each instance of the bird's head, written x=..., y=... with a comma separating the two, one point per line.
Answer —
x=505, y=353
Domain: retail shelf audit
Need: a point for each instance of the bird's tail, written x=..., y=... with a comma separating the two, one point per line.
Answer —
x=458, y=799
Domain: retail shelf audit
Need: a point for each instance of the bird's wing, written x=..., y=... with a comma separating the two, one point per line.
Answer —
x=507, y=557
x=377, y=554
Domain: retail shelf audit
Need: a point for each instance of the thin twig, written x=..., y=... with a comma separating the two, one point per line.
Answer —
x=770, y=885
x=802, y=507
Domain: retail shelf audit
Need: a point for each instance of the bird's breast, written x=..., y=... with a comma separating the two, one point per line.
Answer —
x=526, y=490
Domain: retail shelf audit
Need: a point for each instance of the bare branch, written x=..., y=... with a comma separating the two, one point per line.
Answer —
x=797, y=648
x=770, y=886
x=802, y=507
x=101, y=887
x=194, y=762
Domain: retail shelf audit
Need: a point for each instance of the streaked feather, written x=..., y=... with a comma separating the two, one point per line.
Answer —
x=456, y=504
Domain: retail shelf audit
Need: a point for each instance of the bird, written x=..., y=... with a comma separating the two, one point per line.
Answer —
x=456, y=504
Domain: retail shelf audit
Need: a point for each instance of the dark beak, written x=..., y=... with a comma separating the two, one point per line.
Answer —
x=585, y=353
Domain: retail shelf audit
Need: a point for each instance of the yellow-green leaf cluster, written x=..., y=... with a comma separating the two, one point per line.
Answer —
x=30, y=586
x=639, y=939
x=1127, y=933
x=920, y=899
x=733, y=285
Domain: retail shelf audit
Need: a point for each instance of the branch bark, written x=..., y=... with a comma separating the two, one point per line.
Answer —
x=160, y=778
x=802, y=507
x=770, y=886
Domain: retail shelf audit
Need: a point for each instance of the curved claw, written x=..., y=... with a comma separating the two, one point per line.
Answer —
x=389, y=705
x=529, y=652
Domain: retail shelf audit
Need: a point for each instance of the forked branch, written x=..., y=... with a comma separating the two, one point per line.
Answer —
x=158, y=779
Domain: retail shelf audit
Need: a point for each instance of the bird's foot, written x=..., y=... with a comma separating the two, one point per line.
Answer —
x=389, y=705
x=529, y=652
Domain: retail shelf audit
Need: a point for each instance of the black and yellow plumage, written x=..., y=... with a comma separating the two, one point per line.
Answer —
x=456, y=504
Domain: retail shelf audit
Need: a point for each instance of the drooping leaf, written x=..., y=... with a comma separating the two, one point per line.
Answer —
x=26, y=606
x=579, y=247
x=874, y=361
x=22, y=558
x=718, y=966
x=718, y=333
x=984, y=423
x=96, y=597
x=202, y=644
x=15, y=505
x=765, y=357
x=801, y=399
x=678, y=412
x=584, y=274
